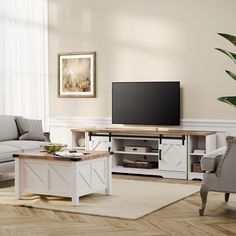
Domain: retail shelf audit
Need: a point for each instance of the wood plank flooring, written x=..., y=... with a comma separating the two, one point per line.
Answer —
x=180, y=218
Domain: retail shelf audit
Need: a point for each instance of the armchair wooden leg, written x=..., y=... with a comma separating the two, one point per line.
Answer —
x=203, y=194
x=227, y=197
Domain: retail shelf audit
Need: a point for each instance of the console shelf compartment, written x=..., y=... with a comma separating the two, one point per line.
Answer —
x=206, y=144
x=140, y=171
x=137, y=153
x=196, y=154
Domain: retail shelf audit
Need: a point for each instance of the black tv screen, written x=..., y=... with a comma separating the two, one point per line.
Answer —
x=146, y=103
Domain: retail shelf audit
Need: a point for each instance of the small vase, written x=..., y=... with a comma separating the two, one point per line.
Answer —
x=81, y=142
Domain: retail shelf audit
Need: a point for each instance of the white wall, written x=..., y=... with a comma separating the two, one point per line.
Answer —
x=145, y=40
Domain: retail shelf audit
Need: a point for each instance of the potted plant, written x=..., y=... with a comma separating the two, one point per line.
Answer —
x=231, y=100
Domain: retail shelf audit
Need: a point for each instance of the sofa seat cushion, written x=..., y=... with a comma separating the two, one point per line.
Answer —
x=6, y=152
x=24, y=145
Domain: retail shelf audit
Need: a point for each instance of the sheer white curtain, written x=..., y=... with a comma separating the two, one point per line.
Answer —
x=24, y=58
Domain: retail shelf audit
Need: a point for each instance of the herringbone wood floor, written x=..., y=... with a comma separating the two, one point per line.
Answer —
x=180, y=218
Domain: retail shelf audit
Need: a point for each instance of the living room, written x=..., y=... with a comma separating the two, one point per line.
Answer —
x=128, y=41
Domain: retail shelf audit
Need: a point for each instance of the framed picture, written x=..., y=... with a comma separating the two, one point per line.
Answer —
x=77, y=74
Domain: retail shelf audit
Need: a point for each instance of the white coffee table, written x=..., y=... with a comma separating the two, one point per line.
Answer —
x=43, y=173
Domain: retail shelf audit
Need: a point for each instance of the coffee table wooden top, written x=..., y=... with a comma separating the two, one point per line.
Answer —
x=88, y=155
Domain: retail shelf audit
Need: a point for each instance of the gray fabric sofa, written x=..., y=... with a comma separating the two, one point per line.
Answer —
x=17, y=135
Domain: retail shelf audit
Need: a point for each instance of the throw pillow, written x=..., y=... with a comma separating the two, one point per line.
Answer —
x=30, y=129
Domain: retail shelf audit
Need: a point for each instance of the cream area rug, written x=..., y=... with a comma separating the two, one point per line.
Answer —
x=130, y=199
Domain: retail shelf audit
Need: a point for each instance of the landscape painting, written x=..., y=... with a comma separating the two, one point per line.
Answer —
x=76, y=74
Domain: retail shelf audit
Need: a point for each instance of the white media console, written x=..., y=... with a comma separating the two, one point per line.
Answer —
x=176, y=153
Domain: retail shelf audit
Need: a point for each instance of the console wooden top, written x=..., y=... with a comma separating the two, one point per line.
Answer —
x=46, y=156
x=144, y=131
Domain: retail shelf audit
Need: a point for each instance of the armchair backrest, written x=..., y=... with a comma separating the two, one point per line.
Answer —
x=227, y=165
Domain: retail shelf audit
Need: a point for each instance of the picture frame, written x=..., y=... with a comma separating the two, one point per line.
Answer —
x=77, y=75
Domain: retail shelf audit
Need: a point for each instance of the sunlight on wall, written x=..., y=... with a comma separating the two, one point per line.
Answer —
x=147, y=32
x=140, y=66
x=146, y=41
x=54, y=16
x=86, y=24
x=146, y=48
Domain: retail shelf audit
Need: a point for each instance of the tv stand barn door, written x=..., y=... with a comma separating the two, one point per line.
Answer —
x=173, y=155
x=99, y=144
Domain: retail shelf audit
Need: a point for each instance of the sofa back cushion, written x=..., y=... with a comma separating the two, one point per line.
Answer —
x=8, y=128
x=30, y=129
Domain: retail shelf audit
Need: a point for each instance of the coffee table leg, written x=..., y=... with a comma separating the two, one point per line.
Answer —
x=109, y=176
x=17, y=179
x=75, y=200
x=75, y=189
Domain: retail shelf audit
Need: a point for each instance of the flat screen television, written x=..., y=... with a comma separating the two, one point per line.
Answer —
x=146, y=103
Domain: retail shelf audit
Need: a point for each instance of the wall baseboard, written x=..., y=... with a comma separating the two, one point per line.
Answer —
x=60, y=126
x=228, y=126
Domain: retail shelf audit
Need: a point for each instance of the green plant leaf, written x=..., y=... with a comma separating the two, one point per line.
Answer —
x=229, y=37
x=231, y=100
x=231, y=74
x=231, y=55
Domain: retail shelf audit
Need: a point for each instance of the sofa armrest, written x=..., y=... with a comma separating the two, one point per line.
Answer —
x=210, y=161
x=47, y=136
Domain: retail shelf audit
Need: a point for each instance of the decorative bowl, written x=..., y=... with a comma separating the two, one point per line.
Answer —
x=53, y=147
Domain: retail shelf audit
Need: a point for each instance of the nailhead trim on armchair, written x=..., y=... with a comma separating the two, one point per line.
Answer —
x=229, y=140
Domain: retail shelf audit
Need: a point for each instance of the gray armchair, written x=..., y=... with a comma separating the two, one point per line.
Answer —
x=220, y=172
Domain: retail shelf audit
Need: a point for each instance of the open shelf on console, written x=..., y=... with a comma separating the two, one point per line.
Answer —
x=137, y=153
x=141, y=171
x=198, y=147
x=196, y=154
